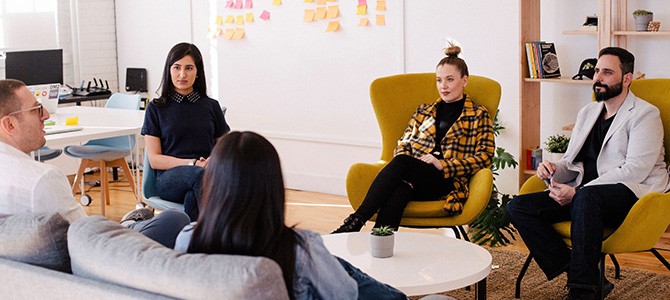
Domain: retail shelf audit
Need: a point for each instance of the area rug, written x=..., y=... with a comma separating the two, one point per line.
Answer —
x=634, y=284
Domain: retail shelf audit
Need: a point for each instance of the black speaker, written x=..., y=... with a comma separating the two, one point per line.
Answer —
x=136, y=79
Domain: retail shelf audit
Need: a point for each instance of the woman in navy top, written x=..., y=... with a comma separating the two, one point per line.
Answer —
x=181, y=128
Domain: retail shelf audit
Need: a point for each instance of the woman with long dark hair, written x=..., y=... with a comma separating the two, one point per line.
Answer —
x=242, y=212
x=181, y=128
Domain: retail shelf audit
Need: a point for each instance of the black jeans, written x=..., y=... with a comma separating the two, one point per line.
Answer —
x=592, y=209
x=405, y=178
x=181, y=185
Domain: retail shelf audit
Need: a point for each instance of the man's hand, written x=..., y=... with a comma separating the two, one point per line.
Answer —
x=545, y=169
x=561, y=193
x=430, y=159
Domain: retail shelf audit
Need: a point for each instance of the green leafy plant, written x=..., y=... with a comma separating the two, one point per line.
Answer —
x=490, y=227
x=557, y=143
x=382, y=231
x=641, y=12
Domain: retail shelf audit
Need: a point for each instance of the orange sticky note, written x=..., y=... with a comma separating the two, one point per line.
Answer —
x=361, y=10
x=321, y=2
x=381, y=5
x=240, y=20
x=239, y=34
x=249, y=18
x=363, y=22
x=309, y=15
x=276, y=2
x=381, y=20
x=230, y=19
x=333, y=12
x=309, y=1
x=219, y=20
x=229, y=34
x=320, y=13
x=333, y=26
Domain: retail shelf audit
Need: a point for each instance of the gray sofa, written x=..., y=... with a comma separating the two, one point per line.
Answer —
x=111, y=262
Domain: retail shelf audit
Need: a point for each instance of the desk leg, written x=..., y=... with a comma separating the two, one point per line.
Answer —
x=480, y=290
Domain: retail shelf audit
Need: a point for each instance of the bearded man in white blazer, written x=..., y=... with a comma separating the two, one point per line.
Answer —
x=614, y=157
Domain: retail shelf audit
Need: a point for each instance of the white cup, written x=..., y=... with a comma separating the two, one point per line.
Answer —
x=50, y=104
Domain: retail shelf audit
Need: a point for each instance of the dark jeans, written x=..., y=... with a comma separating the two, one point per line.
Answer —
x=405, y=178
x=181, y=185
x=164, y=227
x=592, y=209
x=368, y=287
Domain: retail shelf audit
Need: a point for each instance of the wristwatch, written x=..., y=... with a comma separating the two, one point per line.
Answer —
x=192, y=163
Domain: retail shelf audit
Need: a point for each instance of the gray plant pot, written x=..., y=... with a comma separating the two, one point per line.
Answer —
x=381, y=246
x=642, y=21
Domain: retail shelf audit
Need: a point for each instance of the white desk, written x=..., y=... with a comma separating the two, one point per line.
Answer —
x=421, y=263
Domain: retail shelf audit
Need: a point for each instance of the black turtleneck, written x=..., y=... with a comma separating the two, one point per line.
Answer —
x=447, y=114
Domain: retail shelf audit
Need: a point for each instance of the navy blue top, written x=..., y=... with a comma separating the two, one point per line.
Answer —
x=186, y=129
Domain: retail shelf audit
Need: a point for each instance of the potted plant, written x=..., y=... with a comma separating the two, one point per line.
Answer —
x=381, y=242
x=642, y=18
x=556, y=146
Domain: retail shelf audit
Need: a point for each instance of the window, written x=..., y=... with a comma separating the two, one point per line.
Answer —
x=28, y=24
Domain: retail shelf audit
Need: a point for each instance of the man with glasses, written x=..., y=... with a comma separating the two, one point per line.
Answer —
x=28, y=186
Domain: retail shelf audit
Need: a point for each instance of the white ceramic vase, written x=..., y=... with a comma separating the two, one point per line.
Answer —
x=381, y=246
x=550, y=156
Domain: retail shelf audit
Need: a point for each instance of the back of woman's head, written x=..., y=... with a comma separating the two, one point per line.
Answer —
x=452, y=58
x=178, y=52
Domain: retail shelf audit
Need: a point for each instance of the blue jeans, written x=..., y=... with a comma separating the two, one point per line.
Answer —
x=181, y=185
x=592, y=209
x=368, y=287
x=164, y=227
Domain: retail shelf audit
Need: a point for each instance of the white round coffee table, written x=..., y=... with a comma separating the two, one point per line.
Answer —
x=421, y=263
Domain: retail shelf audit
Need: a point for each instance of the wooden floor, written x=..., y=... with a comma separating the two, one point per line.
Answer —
x=323, y=213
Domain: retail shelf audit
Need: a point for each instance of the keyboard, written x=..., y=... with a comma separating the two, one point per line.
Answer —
x=60, y=129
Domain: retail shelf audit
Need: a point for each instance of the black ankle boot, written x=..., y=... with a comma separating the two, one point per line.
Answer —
x=352, y=223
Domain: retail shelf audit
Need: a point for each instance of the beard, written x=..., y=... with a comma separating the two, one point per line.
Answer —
x=609, y=92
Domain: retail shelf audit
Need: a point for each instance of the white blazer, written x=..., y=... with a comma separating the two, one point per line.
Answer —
x=632, y=151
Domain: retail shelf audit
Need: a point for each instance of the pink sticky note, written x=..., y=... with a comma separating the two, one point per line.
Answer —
x=362, y=2
x=238, y=4
x=229, y=4
x=249, y=4
x=265, y=15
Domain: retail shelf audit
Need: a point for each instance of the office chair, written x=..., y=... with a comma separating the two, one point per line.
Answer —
x=649, y=217
x=107, y=152
x=45, y=153
x=395, y=99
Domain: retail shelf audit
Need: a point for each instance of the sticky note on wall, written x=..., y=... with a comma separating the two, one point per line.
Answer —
x=333, y=26
x=249, y=17
x=320, y=13
x=381, y=20
x=265, y=15
x=309, y=15
x=240, y=20
x=361, y=10
x=333, y=12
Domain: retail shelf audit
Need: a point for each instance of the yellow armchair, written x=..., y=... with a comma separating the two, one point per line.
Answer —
x=394, y=100
x=649, y=217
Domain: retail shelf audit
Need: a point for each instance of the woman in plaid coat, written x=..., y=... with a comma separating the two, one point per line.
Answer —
x=445, y=143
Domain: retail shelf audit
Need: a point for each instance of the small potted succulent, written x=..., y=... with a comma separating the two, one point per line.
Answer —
x=381, y=242
x=556, y=147
x=642, y=18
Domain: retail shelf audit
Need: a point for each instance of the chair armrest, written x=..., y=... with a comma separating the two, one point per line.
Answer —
x=359, y=180
x=533, y=185
x=643, y=226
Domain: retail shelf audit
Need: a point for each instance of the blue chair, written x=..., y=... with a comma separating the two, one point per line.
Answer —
x=107, y=152
x=149, y=192
x=45, y=153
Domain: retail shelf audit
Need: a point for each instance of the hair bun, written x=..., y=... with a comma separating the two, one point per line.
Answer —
x=452, y=50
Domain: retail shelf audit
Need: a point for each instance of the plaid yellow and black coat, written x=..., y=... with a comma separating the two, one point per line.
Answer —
x=467, y=147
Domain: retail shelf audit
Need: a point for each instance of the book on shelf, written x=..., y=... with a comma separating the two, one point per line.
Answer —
x=542, y=60
x=533, y=158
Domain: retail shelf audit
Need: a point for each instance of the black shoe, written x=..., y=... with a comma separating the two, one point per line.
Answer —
x=607, y=288
x=576, y=293
x=352, y=223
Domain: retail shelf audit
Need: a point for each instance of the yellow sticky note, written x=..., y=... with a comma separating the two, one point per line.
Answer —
x=363, y=22
x=321, y=2
x=362, y=10
x=320, y=13
x=219, y=20
x=72, y=120
x=250, y=17
x=333, y=12
x=381, y=20
x=309, y=15
x=333, y=26
x=330, y=0
x=309, y=1
x=230, y=19
x=229, y=34
x=381, y=5
x=276, y=2
x=240, y=20
x=239, y=34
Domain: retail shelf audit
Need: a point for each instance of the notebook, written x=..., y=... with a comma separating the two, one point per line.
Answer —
x=60, y=129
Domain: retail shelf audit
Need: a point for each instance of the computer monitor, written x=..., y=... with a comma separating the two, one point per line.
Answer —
x=35, y=67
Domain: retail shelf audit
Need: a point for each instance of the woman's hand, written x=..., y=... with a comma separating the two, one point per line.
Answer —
x=430, y=159
x=202, y=162
x=561, y=193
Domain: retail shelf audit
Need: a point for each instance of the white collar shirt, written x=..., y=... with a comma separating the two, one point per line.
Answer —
x=28, y=186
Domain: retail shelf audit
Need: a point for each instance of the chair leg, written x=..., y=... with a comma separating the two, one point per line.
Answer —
x=602, y=276
x=617, y=268
x=465, y=234
x=456, y=232
x=104, y=187
x=78, y=177
x=517, y=291
x=660, y=257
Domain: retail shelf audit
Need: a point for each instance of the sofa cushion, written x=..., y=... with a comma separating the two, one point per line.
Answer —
x=37, y=238
x=101, y=249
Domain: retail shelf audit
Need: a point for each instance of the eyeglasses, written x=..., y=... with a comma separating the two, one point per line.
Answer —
x=39, y=107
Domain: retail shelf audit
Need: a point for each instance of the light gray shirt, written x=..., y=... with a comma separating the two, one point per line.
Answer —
x=318, y=275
